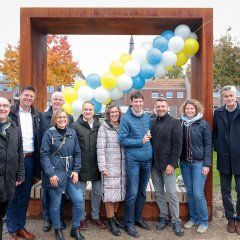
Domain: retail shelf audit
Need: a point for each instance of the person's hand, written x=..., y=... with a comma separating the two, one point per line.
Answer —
x=18, y=183
x=54, y=180
x=74, y=177
x=205, y=171
x=169, y=170
x=147, y=137
x=105, y=172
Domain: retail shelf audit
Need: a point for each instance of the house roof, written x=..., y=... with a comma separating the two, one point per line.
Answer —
x=165, y=84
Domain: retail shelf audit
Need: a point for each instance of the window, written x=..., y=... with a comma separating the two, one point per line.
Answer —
x=216, y=93
x=169, y=94
x=50, y=89
x=154, y=94
x=180, y=94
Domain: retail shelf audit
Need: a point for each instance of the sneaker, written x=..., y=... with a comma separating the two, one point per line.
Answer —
x=178, y=229
x=202, y=229
x=162, y=223
x=83, y=225
x=99, y=223
x=189, y=224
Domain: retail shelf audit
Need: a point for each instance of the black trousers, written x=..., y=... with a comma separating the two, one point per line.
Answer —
x=3, y=208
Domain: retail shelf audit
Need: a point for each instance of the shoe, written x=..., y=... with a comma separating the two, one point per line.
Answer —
x=75, y=233
x=98, y=222
x=83, y=225
x=238, y=227
x=118, y=224
x=13, y=236
x=59, y=235
x=189, y=224
x=142, y=225
x=231, y=226
x=178, y=229
x=132, y=232
x=23, y=233
x=47, y=225
x=113, y=227
x=63, y=224
x=162, y=223
x=202, y=229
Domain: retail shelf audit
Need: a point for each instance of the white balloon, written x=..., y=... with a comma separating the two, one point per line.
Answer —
x=146, y=46
x=115, y=94
x=169, y=59
x=124, y=82
x=101, y=94
x=160, y=71
x=77, y=107
x=182, y=31
x=85, y=93
x=132, y=68
x=176, y=44
x=139, y=55
x=193, y=35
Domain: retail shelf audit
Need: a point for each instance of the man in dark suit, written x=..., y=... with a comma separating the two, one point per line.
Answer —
x=226, y=136
x=166, y=134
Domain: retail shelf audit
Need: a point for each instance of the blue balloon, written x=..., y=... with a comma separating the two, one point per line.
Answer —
x=127, y=91
x=146, y=71
x=97, y=105
x=154, y=56
x=138, y=82
x=161, y=43
x=167, y=34
x=93, y=80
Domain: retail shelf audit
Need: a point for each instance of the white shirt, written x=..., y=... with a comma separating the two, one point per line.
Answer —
x=27, y=130
x=89, y=123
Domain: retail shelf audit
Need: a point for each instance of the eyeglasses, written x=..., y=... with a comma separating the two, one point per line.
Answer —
x=4, y=105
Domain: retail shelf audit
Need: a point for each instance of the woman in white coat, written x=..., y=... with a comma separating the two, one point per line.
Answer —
x=111, y=163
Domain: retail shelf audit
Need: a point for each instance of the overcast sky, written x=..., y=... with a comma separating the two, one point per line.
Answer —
x=95, y=53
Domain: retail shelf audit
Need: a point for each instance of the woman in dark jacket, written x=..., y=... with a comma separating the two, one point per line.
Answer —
x=61, y=163
x=195, y=162
x=11, y=158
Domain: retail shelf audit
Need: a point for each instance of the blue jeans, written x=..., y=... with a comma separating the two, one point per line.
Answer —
x=226, y=188
x=160, y=180
x=96, y=198
x=137, y=177
x=194, y=183
x=17, y=207
x=46, y=204
x=76, y=196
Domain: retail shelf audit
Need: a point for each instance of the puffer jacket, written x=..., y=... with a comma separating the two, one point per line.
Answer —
x=131, y=132
x=64, y=162
x=87, y=138
x=11, y=162
x=111, y=157
x=197, y=143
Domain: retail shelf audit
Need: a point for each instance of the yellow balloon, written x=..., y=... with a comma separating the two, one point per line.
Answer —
x=109, y=80
x=191, y=46
x=168, y=68
x=125, y=57
x=69, y=95
x=107, y=102
x=68, y=108
x=182, y=59
x=79, y=83
x=116, y=67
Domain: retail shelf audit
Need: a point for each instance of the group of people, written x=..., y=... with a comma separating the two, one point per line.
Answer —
x=118, y=157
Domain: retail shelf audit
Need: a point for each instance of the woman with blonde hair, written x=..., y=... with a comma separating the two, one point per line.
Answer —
x=195, y=161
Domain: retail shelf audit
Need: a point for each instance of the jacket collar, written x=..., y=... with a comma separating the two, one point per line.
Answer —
x=15, y=110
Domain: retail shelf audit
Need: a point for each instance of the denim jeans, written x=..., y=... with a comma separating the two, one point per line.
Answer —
x=226, y=187
x=160, y=180
x=55, y=202
x=137, y=177
x=46, y=204
x=96, y=199
x=194, y=183
x=17, y=207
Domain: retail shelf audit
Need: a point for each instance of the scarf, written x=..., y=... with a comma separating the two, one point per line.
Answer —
x=5, y=127
x=188, y=122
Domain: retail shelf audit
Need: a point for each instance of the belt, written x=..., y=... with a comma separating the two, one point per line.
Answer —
x=28, y=155
x=192, y=161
